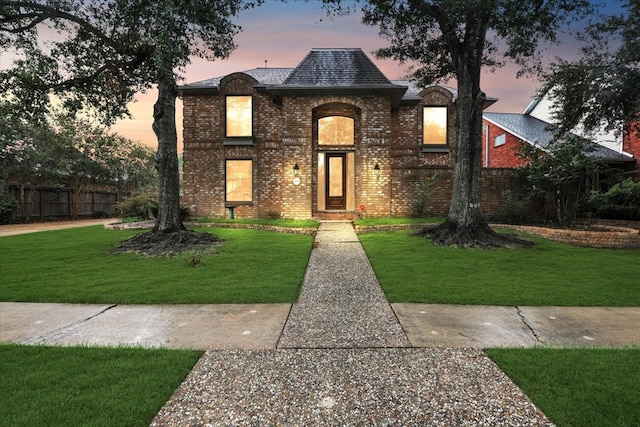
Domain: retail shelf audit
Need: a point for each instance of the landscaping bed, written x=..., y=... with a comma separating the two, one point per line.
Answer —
x=597, y=236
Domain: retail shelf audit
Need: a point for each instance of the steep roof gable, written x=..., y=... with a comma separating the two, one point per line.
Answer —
x=336, y=67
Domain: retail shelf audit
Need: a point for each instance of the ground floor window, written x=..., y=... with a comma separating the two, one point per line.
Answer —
x=239, y=181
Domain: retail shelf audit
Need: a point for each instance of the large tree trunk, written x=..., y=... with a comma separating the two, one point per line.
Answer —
x=164, y=126
x=466, y=225
x=169, y=236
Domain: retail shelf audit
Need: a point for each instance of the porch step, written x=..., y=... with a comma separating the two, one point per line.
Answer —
x=344, y=216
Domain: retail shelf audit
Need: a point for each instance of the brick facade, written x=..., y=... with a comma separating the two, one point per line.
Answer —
x=501, y=156
x=387, y=134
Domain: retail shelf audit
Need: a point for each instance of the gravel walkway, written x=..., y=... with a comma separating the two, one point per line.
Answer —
x=348, y=387
x=341, y=304
x=343, y=360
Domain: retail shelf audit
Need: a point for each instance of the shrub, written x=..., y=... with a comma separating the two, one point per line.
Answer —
x=513, y=208
x=7, y=205
x=135, y=206
x=622, y=201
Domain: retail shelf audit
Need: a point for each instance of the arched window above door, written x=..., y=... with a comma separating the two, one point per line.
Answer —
x=335, y=130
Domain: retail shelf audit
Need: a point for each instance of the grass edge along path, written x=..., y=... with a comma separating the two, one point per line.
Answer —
x=413, y=269
x=75, y=386
x=577, y=387
x=73, y=266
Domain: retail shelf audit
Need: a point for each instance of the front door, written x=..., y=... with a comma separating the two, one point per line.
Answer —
x=336, y=181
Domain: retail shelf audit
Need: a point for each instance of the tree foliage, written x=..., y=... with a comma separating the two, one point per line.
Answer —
x=457, y=39
x=562, y=177
x=70, y=152
x=434, y=35
x=102, y=52
x=601, y=90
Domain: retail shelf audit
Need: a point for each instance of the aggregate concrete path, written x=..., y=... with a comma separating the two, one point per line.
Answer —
x=341, y=304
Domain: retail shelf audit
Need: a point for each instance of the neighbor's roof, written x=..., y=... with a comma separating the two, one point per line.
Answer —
x=539, y=134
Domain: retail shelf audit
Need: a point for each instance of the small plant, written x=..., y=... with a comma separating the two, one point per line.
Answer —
x=193, y=261
x=421, y=195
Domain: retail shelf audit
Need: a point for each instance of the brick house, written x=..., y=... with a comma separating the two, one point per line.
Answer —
x=504, y=134
x=321, y=140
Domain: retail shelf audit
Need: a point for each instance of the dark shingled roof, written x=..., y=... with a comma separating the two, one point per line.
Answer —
x=336, y=67
x=326, y=69
x=538, y=133
x=265, y=76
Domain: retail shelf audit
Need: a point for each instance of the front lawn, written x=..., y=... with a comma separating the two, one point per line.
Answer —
x=79, y=386
x=412, y=269
x=73, y=266
x=577, y=387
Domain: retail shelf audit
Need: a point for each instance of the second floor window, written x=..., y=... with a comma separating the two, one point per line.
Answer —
x=434, y=126
x=239, y=116
x=335, y=130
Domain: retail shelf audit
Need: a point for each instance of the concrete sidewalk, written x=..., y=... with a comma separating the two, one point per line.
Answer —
x=15, y=229
x=260, y=326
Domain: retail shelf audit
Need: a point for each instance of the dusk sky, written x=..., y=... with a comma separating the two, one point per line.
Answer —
x=283, y=33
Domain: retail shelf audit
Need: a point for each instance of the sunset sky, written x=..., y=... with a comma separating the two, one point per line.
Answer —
x=283, y=33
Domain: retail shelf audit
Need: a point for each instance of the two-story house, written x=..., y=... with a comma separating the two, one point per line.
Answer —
x=330, y=138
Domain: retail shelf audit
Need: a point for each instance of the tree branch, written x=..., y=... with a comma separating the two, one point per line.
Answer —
x=44, y=12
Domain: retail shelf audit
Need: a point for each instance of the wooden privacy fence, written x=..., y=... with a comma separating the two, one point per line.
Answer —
x=51, y=203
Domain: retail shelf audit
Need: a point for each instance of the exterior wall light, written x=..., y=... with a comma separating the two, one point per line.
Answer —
x=376, y=170
x=296, y=169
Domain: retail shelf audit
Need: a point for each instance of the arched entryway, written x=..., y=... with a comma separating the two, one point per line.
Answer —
x=336, y=137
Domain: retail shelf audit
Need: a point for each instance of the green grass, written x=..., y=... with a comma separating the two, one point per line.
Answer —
x=277, y=222
x=578, y=387
x=412, y=269
x=73, y=266
x=79, y=386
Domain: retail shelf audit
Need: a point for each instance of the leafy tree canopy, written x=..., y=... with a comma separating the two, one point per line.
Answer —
x=434, y=33
x=602, y=89
x=98, y=54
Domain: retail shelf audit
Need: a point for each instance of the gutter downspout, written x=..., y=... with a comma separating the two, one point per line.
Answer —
x=486, y=145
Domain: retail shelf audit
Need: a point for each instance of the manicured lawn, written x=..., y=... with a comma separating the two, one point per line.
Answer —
x=578, y=387
x=412, y=269
x=78, y=386
x=73, y=266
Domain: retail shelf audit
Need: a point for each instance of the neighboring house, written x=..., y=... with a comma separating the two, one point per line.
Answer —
x=331, y=138
x=504, y=134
